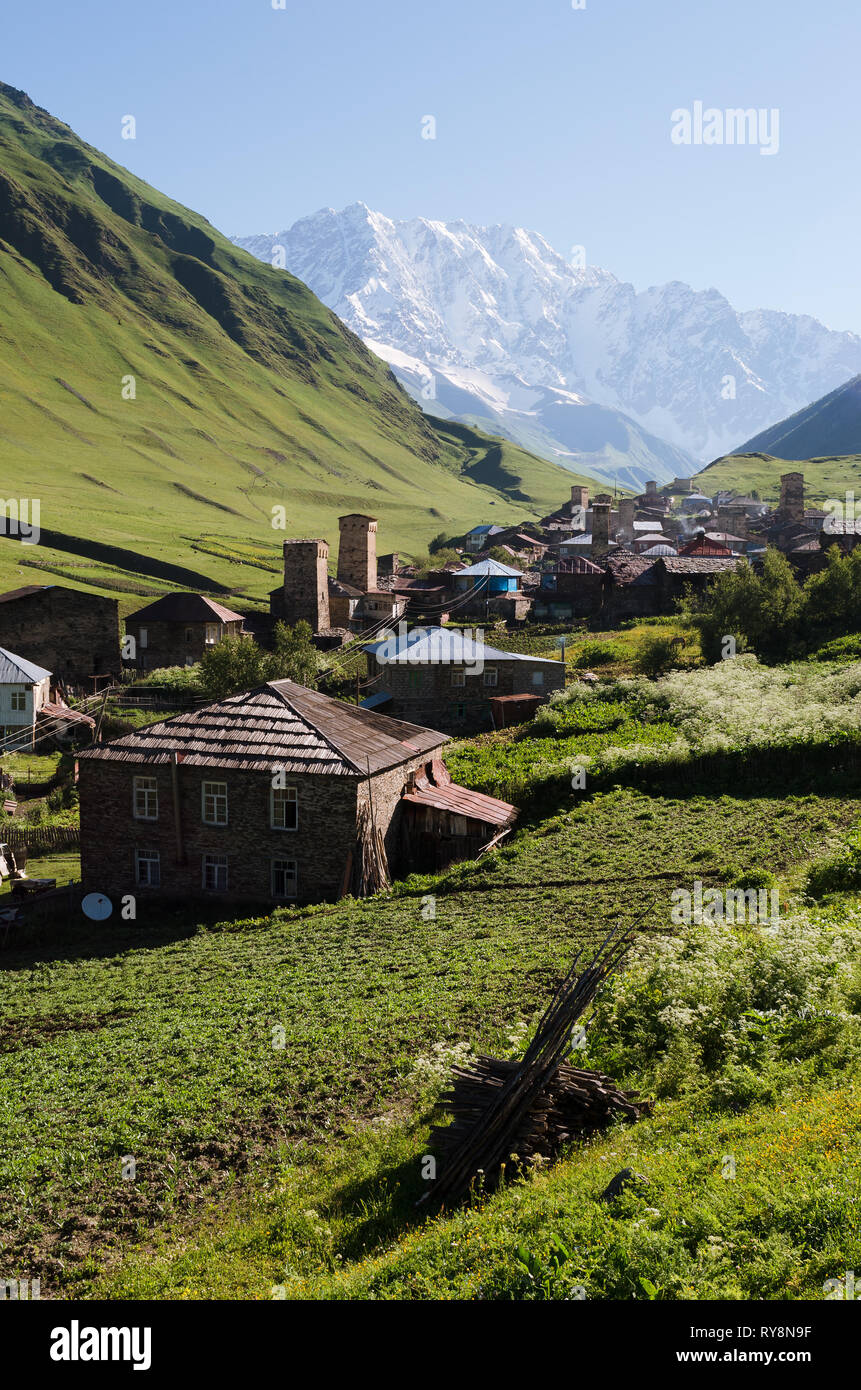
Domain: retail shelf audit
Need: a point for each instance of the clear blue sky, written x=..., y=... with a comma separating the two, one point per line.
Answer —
x=547, y=117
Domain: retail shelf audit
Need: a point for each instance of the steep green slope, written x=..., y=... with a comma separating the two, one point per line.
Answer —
x=823, y=477
x=829, y=426
x=248, y=393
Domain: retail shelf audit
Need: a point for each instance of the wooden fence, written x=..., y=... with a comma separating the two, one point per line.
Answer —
x=41, y=837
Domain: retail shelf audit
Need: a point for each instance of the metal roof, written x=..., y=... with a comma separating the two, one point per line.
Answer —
x=442, y=646
x=279, y=724
x=15, y=670
x=490, y=567
x=462, y=802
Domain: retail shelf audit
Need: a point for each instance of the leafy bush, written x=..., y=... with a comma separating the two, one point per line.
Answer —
x=736, y=1008
x=846, y=648
x=839, y=872
x=656, y=654
x=599, y=654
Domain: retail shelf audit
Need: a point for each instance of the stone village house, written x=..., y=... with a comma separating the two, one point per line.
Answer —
x=272, y=796
x=74, y=635
x=444, y=678
x=177, y=629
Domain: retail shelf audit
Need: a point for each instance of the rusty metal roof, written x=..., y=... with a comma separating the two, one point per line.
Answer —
x=462, y=802
x=279, y=724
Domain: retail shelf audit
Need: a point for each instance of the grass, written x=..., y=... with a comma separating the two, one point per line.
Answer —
x=824, y=478
x=155, y=1039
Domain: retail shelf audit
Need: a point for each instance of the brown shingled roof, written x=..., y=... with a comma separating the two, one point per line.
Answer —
x=279, y=724
x=184, y=608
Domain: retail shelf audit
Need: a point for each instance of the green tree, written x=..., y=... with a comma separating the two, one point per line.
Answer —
x=759, y=611
x=294, y=657
x=233, y=664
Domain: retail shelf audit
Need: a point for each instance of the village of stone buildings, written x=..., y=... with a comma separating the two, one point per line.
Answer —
x=285, y=793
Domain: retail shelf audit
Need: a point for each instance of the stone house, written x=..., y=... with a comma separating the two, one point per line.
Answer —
x=74, y=635
x=24, y=689
x=281, y=794
x=445, y=679
x=177, y=629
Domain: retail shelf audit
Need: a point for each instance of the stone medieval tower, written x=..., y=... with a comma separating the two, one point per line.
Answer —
x=306, y=583
x=357, y=552
x=791, y=497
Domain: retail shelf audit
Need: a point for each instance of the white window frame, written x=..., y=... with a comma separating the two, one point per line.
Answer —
x=216, y=797
x=458, y=677
x=148, y=795
x=19, y=701
x=217, y=863
x=150, y=858
x=285, y=797
x=214, y=629
x=538, y=678
x=491, y=676
x=282, y=866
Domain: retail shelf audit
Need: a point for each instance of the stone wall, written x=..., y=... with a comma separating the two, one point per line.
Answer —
x=173, y=644
x=305, y=593
x=72, y=634
x=357, y=551
x=326, y=831
x=426, y=695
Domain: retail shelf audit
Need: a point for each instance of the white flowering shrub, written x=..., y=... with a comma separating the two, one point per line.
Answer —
x=724, y=1010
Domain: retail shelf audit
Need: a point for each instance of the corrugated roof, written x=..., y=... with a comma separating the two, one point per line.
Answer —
x=441, y=646
x=278, y=724
x=490, y=567
x=462, y=802
x=16, y=670
x=184, y=608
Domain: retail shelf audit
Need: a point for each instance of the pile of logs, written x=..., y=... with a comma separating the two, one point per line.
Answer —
x=507, y=1111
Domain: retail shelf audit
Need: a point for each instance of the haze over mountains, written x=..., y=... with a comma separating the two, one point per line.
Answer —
x=492, y=325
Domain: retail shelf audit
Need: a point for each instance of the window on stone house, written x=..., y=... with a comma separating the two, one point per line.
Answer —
x=189, y=634
x=458, y=711
x=145, y=798
x=211, y=634
x=414, y=680
x=148, y=868
x=458, y=676
x=143, y=637
x=284, y=808
x=214, y=803
x=284, y=878
x=215, y=872
x=537, y=677
x=490, y=675
x=19, y=700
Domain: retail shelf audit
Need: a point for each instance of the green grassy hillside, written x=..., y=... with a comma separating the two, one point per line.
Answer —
x=823, y=477
x=248, y=394
x=830, y=425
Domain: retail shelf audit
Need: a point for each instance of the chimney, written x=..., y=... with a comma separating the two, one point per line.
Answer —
x=791, y=497
x=305, y=595
x=357, y=552
x=600, y=528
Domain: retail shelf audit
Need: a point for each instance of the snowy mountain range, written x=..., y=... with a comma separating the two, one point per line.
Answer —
x=491, y=325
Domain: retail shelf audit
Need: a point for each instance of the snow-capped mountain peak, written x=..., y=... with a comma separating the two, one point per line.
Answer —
x=492, y=324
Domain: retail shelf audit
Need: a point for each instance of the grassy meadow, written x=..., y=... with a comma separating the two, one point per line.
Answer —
x=273, y=1080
